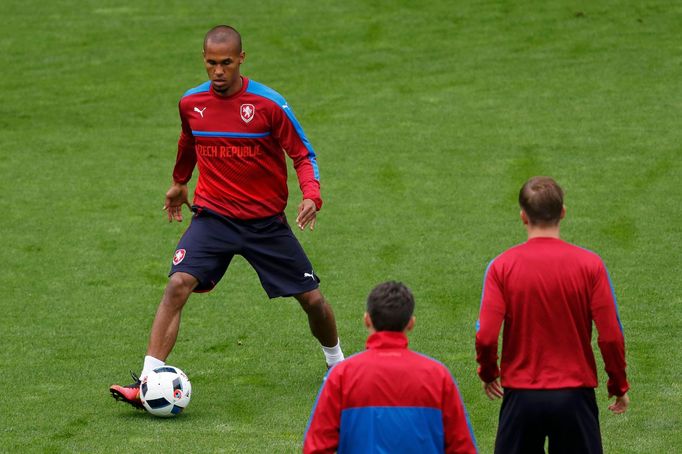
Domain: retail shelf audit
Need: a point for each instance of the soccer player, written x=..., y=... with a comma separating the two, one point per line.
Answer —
x=389, y=398
x=548, y=292
x=237, y=131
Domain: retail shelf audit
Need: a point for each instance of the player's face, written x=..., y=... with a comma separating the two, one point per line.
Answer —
x=222, y=61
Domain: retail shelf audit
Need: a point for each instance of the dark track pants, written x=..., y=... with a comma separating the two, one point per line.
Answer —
x=568, y=417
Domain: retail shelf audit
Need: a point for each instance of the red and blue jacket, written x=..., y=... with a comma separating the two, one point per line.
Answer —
x=389, y=399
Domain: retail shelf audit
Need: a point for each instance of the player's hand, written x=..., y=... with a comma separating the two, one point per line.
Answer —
x=307, y=214
x=493, y=389
x=176, y=197
x=620, y=405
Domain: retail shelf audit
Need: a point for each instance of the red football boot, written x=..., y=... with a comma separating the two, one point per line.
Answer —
x=129, y=394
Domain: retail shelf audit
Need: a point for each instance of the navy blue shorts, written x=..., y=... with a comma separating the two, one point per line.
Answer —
x=567, y=418
x=211, y=240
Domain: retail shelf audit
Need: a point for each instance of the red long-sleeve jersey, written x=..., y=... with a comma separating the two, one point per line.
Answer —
x=238, y=143
x=548, y=292
x=389, y=399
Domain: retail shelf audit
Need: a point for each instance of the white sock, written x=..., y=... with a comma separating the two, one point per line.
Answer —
x=334, y=354
x=150, y=363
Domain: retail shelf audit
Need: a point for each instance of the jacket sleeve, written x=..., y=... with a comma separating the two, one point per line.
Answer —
x=186, y=158
x=322, y=434
x=610, y=339
x=489, y=324
x=459, y=436
x=289, y=133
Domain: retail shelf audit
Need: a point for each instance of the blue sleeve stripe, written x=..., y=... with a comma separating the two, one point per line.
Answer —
x=198, y=89
x=312, y=412
x=232, y=135
x=613, y=294
x=312, y=157
x=485, y=276
x=259, y=89
x=466, y=413
x=608, y=277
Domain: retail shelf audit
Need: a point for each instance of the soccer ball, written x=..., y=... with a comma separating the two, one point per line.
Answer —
x=166, y=391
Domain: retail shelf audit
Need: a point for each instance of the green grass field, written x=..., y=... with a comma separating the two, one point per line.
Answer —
x=426, y=117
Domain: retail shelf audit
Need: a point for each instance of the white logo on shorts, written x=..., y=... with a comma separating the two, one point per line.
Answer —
x=179, y=256
x=310, y=275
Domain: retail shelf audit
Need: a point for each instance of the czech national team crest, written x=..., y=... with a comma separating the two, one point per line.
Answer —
x=247, y=112
x=179, y=256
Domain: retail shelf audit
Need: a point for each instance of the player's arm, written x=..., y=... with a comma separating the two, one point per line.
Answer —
x=177, y=194
x=288, y=131
x=322, y=434
x=488, y=330
x=459, y=435
x=610, y=338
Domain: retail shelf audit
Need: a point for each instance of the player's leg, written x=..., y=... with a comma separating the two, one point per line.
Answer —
x=574, y=422
x=320, y=317
x=285, y=270
x=322, y=324
x=200, y=260
x=167, y=320
x=163, y=335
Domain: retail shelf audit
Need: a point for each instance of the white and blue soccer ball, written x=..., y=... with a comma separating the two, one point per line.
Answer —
x=165, y=391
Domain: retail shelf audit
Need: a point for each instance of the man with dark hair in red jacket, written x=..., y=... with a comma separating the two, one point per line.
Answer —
x=548, y=292
x=389, y=398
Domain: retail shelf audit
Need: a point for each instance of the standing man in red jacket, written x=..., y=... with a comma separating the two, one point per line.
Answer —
x=389, y=398
x=548, y=292
x=237, y=131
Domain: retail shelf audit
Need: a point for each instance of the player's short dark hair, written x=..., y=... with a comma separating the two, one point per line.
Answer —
x=390, y=306
x=222, y=34
x=542, y=199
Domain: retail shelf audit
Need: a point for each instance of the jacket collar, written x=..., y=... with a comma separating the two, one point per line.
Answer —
x=387, y=339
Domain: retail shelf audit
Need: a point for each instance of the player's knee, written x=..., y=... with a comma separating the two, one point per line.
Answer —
x=312, y=302
x=180, y=285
